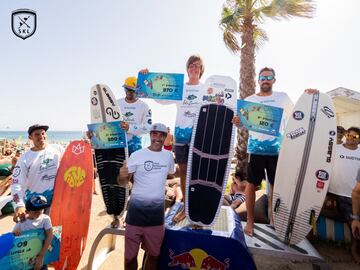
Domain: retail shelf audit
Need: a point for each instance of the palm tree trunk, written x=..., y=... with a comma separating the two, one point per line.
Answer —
x=246, y=87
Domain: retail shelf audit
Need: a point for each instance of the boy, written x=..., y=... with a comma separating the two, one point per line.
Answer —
x=36, y=219
x=237, y=191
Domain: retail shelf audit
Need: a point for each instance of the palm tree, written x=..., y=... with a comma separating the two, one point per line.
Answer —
x=240, y=20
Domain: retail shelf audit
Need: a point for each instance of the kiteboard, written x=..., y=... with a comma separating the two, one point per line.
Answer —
x=221, y=90
x=71, y=205
x=210, y=153
x=304, y=167
x=103, y=108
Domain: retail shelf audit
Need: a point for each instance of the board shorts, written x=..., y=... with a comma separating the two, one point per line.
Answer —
x=182, y=153
x=256, y=168
x=344, y=205
x=150, y=238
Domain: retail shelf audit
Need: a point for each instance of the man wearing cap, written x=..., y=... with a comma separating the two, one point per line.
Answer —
x=136, y=115
x=145, y=216
x=35, y=171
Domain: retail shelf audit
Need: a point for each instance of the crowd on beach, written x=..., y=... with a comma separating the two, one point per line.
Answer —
x=154, y=183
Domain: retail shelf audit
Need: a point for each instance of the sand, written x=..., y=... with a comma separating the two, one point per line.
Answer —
x=337, y=256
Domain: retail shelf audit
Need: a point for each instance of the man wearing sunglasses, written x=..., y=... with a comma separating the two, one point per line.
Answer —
x=136, y=115
x=263, y=149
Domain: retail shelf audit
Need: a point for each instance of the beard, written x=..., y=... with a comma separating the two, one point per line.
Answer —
x=266, y=87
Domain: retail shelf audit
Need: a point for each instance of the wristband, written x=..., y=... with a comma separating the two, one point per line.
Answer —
x=355, y=217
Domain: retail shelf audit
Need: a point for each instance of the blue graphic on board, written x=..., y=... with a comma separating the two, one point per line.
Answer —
x=259, y=117
x=107, y=135
x=267, y=147
x=167, y=86
x=27, y=246
x=183, y=135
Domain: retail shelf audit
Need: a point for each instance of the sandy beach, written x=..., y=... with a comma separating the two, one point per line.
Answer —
x=337, y=256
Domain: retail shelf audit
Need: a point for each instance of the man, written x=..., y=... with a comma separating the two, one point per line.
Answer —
x=35, y=171
x=346, y=167
x=145, y=216
x=355, y=224
x=136, y=115
x=263, y=149
x=340, y=131
x=187, y=109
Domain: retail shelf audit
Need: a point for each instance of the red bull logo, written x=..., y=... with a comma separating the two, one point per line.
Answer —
x=197, y=259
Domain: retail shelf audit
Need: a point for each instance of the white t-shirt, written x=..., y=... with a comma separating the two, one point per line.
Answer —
x=263, y=144
x=150, y=168
x=42, y=222
x=138, y=115
x=34, y=174
x=346, y=166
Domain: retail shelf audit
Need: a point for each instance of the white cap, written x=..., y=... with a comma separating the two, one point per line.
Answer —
x=159, y=127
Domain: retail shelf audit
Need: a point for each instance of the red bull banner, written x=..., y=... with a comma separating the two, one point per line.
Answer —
x=184, y=248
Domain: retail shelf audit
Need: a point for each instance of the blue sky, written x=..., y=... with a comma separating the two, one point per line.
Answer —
x=47, y=77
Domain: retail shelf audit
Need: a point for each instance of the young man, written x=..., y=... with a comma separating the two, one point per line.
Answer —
x=345, y=174
x=145, y=216
x=35, y=171
x=263, y=149
x=136, y=115
x=187, y=109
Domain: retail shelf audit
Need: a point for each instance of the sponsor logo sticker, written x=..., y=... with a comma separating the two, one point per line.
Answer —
x=298, y=115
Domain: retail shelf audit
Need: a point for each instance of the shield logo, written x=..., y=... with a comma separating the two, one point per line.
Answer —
x=23, y=23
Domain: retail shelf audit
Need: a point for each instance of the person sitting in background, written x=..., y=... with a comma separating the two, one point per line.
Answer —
x=36, y=219
x=340, y=134
x=236, y=195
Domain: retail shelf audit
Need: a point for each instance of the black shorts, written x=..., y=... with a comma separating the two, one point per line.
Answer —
x=344, y=205
x=256, y=168
x=181, y=153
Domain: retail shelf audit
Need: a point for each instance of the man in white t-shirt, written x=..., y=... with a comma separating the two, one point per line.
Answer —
x=136, y=115
x=145, y=216
x=35, y=171
x=263, y=149
x=344, y=176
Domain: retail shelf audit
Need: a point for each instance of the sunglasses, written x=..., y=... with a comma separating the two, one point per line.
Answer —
x=357, y=136
x=266, y=78
x=195, y=66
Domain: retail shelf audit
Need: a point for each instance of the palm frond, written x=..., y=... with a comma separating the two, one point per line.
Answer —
x=286, y=9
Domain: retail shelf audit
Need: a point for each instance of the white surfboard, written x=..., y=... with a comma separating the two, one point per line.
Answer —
x=221, y=90
x=304, y=167
x=103, y=105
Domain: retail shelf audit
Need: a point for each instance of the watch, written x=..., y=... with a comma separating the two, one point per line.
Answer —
x=355, y=217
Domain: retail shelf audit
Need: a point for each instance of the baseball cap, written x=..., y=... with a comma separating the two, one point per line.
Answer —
x=159, y=127
x=37, y=202
x=37, y=126
x=130, y=83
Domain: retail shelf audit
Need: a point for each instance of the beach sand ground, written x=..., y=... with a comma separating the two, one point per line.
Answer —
x=337, y=256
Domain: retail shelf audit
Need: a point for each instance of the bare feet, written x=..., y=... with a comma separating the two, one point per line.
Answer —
x=180, y=215
x=249, y=229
